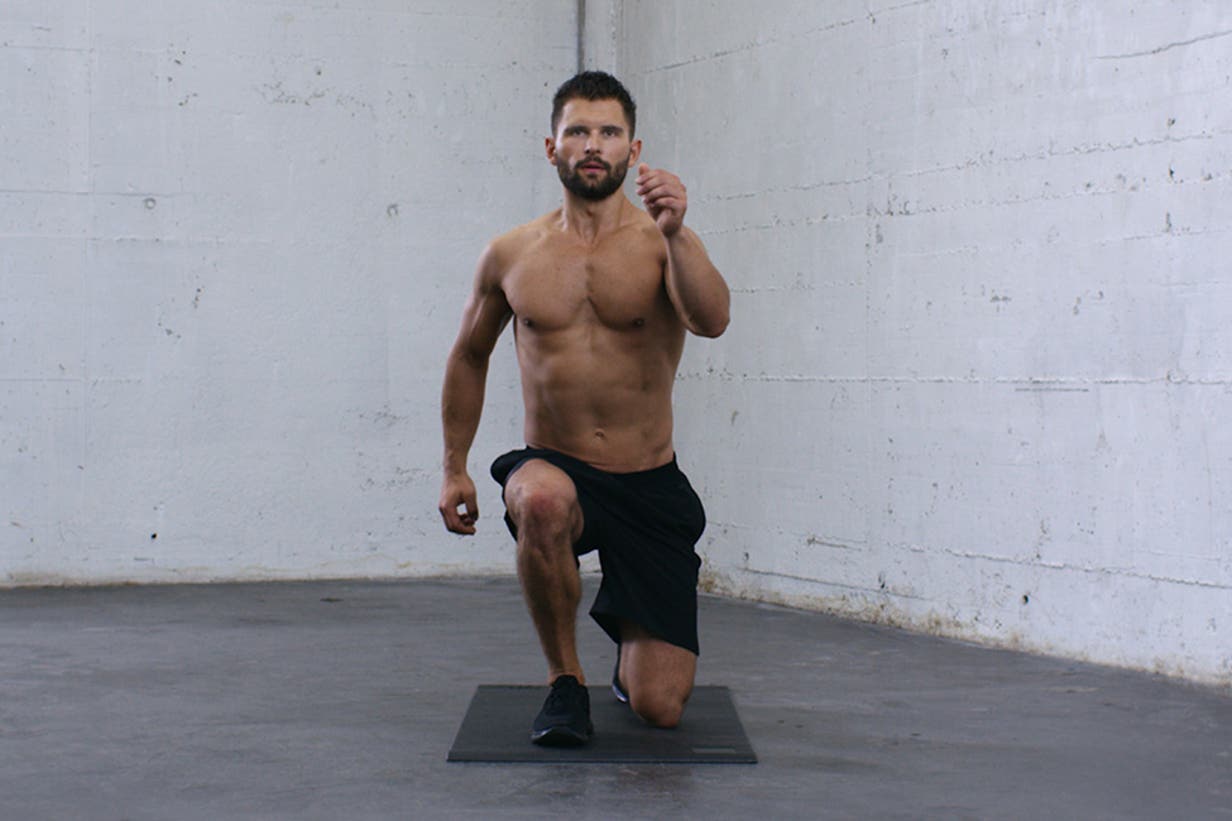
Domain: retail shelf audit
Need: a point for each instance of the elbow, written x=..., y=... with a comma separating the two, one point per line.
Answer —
x=711, y=327
x=468, y=357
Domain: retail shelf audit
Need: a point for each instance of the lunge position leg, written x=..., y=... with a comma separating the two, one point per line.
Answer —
x=657, y=676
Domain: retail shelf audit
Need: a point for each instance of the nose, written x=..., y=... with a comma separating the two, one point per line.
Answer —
x=592, y=143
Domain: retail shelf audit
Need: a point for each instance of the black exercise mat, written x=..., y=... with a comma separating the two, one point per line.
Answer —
x=497, y=728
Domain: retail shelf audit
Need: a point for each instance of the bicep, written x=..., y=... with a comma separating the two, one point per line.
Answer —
x=486, y=312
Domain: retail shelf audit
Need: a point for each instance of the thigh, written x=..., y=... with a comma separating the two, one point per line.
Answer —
x=647, y=662
x=538, y=489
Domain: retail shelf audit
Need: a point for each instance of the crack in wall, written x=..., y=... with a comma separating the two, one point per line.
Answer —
x=1168, y=47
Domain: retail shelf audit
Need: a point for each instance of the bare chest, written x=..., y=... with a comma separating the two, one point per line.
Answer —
x=557, y=286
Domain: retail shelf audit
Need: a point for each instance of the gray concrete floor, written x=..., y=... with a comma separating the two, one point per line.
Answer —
x=340, y=701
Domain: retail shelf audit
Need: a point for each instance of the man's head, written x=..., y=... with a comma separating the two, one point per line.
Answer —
x=592, y=143
x=594, y=85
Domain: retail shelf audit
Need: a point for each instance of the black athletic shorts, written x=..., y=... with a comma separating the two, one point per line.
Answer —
x=644, y=526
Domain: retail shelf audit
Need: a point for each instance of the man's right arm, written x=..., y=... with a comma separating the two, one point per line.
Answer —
x=484, y=317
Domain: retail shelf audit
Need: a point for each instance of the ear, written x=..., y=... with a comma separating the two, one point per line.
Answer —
x=549, y=148
x=635, y=151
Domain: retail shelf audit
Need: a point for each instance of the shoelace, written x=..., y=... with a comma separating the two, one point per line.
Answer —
x=563, y=697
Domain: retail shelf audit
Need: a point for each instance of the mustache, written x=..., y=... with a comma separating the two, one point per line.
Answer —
x=592, y=161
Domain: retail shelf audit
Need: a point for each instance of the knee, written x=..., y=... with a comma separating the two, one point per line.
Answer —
x=543, y=512
x=661, y=709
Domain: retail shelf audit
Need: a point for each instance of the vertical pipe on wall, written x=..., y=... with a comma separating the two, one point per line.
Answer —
x=581, y=35
x=598, y=23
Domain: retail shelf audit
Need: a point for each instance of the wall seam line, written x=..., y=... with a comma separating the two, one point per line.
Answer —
x=581, y=35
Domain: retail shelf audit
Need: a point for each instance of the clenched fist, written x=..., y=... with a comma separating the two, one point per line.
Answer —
x=664, y=196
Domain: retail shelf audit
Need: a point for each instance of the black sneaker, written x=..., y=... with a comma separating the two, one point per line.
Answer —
x=564, y=720
x=617, y=690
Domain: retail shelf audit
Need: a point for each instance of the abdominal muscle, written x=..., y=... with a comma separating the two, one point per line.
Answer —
x=599, y=401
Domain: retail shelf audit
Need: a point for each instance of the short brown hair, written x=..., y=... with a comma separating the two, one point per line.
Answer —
x=594, y=85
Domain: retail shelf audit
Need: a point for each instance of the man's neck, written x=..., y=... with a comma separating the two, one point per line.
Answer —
x=591, y=219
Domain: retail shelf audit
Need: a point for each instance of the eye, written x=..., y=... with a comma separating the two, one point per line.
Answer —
x=611, y=131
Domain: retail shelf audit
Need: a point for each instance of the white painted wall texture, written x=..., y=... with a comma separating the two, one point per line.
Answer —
x=977, y=380
x=235, y=238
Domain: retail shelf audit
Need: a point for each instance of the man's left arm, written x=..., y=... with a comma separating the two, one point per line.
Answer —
x=694, y=285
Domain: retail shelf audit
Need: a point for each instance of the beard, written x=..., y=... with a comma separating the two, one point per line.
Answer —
x=601, y=188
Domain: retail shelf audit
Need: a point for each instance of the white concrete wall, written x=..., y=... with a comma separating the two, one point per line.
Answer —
x=235, y=238
x=978, y=376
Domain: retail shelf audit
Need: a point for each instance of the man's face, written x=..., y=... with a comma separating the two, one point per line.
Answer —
x=592, y=148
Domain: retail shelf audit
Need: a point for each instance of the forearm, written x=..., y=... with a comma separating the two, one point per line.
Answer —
x=461, y=407
x=696, y=287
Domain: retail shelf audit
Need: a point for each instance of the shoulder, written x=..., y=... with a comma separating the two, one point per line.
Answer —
x=646, y=231
x=637, y=218
x=500, y=253
x=504, y=250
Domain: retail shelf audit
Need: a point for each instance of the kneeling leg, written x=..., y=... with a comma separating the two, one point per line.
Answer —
x=657, y=675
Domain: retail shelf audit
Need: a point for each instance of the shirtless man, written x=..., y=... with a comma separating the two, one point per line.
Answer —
x=600, y=293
